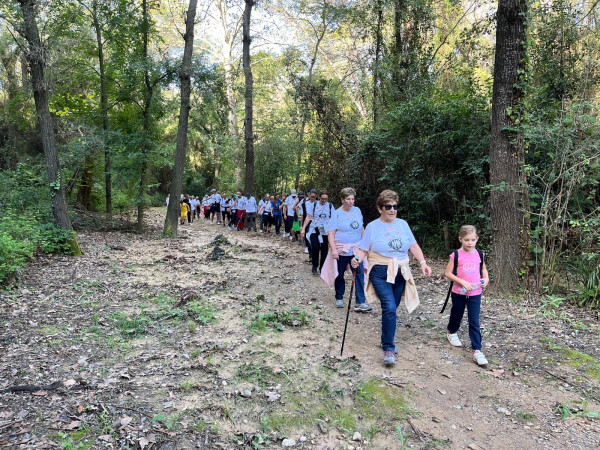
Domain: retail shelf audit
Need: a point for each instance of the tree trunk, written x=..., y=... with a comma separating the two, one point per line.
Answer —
x=377, y=62
x=508, y=198
x=173, y=211
x=145, y=119
x=36, y=57
x=248, y=132
x=84, y=193
x=103, y=108
x=311, y=68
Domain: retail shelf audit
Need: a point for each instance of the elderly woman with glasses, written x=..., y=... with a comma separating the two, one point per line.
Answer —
x=386, y=243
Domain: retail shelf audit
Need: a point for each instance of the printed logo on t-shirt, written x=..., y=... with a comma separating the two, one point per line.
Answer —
x=469, y=267
x=354, y=225
x=395, y=244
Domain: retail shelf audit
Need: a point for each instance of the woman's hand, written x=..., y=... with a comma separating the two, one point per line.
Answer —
x=354, y=263
x=426, y=270
x=335, y=254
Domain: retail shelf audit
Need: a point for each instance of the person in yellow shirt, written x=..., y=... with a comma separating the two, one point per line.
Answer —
x=184, y=211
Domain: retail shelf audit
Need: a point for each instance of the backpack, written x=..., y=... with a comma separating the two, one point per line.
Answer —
x=455, y=269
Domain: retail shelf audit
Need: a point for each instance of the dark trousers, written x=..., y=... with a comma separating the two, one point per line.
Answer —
x=277, y=223
x=251, y=220
x=319, y=248
x=233, y=220
x=226, y=217
x=265, y=221
x=189, y=214
x=473, y=305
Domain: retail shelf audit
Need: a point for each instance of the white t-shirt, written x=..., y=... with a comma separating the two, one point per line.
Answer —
x=290, y=202
x=347, y=226
x=267, y=206
x=388, y=239
x=321, y=214
x=206, y=202
x=234, y=204
x=241, y=206
x=251, y=206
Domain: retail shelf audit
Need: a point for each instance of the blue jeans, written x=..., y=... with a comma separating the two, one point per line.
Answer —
x=473, y=305
x=340, y=285
x=389, y=295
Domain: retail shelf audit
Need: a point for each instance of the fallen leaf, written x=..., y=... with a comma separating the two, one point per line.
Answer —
x=105, y=438
x=69, y=383
x=147, y=440
x=80, y=409
x=277, y=370
x=74, y=424
x=496, y=372
x=40, y=393
x=125, y=421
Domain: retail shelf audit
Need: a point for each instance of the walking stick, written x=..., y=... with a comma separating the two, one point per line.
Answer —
x=348, y=312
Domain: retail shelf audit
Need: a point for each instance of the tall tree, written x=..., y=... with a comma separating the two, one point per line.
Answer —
x=98, y=28
x=508, y=198
x=37, y=57
x=185, y=73
x=149, y=86
x=248, y=132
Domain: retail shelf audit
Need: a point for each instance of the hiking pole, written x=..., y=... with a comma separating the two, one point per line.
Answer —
x=348, y=312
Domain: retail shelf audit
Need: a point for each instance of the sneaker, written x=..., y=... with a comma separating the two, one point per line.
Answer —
x=293, y=239
x=314, y=271
x=479, y=358
x=229, y=228
x=305, y=250
x=362, y=307
x=389, y=358
x=453, y=339
x=339, y=302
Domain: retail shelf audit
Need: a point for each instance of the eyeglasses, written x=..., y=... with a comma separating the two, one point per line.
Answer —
x=389, y=207
x=324, y=198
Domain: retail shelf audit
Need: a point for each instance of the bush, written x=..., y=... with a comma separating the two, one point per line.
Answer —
x=13, y=256
x=435, y=149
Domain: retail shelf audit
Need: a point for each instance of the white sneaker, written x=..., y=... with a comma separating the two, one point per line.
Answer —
x=453, y=339
x=291, y=238
x=479, y=358
x=229, y=228
x=305, y=250
x=212, y=223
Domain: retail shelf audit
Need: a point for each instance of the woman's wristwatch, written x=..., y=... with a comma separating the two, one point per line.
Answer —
x=423, y=262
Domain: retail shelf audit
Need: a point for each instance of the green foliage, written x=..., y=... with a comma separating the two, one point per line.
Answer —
x=14, y=255
x=278, y=320
x=435, y=149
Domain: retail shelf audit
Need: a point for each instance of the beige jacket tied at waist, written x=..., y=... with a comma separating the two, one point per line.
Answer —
x=410, y=294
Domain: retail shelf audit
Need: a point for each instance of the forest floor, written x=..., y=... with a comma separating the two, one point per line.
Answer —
x=147, y=342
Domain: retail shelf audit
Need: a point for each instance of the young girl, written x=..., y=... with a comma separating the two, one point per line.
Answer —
x=466, y=291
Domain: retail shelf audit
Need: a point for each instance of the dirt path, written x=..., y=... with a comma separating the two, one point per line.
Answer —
x=159, y=346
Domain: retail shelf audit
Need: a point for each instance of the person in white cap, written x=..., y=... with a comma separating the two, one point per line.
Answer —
x=288, y=215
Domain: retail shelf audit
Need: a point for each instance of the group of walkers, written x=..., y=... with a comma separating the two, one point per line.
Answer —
x=377, y=256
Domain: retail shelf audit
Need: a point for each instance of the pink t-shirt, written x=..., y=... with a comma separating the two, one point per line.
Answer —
x=468, y=270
